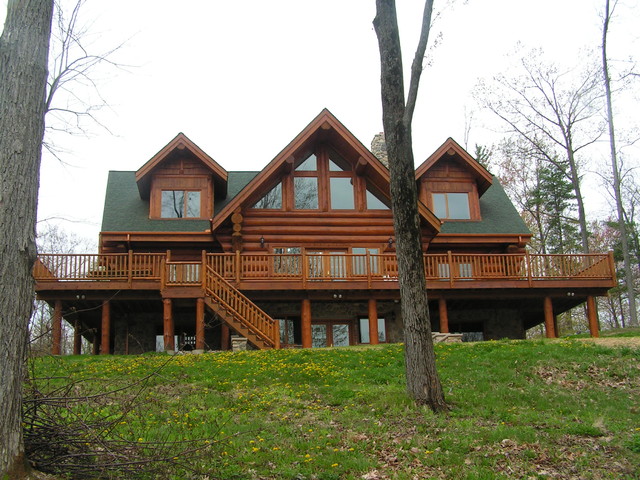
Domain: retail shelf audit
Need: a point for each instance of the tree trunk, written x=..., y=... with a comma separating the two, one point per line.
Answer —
x=23, y=73
x=617, y=194
x=423, y=383
x=575, y=181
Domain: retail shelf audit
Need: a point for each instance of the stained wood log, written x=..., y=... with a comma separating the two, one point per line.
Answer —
x=306, y=323
x=373, y=321
x=549, y=319
x=56, y=328
x=444, y=315
x=168, y=329
x=105, y=329
x=200, y=324
x=592, y=314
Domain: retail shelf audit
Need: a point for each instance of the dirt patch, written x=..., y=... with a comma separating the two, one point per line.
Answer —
x=631, y=342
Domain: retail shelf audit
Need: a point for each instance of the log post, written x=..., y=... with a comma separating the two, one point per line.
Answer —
x=373, y=321
x=306, y=323
x=592, y=314
x=105, y=342
x=549, y=319
x=95, y=345
x=167, y=317
x=77, y=338
x=200, y=325
x=444, y=315
x=56, y=328
x=225, y=336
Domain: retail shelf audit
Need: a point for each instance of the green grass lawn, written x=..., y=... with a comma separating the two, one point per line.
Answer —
x=520, y=409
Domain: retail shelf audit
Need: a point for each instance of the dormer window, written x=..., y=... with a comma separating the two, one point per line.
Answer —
x=452, y=206
x=180, y=204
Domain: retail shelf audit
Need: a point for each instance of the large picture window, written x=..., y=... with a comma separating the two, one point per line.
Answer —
x=342, y=193
x=305, y=191
x=180, y=204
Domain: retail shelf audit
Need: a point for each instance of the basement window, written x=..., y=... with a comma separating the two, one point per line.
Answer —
x=365, y=336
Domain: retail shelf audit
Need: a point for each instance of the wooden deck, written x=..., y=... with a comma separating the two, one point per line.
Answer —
x=153, y=271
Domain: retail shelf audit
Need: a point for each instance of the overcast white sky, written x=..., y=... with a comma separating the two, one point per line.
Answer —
x=241, y=78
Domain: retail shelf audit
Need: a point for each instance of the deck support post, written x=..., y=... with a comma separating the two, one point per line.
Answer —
x=77, y=337
x=373, y=321
x=444, y=315
x=225, y=336
x=305, y=319
x=95, y=345
x=549, y=319
x=168, y=330
x=56, y=328
x=592, y=314
x=105, y=342
x=199, y=325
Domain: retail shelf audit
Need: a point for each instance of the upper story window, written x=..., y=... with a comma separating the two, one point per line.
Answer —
x=181, y=197
x=374, y=203
x=322, y=181
x=272, y=200
x=180, y=204
x=453, y=206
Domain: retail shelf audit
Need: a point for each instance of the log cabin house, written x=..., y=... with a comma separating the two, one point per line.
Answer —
x=301, y=254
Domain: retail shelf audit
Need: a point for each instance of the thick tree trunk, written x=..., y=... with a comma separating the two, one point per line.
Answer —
x=23, y=73
x=423, y=383
x=617, y=194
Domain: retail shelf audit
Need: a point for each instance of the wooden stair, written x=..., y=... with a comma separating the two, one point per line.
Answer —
x=240, y=313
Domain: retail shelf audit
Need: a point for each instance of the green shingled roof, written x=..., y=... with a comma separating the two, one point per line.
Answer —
x=498, y=216
x=125, y=211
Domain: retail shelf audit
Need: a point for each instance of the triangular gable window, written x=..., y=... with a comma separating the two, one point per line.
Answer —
x=272, y=200
x=334, y=167
x=374, y=202
x=309, y=165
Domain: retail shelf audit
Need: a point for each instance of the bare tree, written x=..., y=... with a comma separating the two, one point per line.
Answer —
x=73, y=94
x=52, y=238
x=622, y=225
x=24, y=48
x=555, y=112
x=423, y=383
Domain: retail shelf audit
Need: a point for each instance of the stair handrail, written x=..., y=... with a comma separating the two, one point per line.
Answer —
x=270, y=334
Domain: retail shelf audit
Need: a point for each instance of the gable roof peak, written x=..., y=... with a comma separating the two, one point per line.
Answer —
x=451, y=148
x=179, y=143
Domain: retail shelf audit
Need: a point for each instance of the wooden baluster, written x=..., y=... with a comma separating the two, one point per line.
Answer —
x=203, y=267
x=238, y=266
x=130, y=269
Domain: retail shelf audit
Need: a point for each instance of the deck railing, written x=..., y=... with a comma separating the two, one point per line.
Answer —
x=316, y=267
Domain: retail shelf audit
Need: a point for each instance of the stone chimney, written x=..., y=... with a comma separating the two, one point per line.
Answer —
x=379, y=148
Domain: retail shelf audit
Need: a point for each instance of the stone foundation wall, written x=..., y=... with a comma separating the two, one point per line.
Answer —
x=135, y=334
